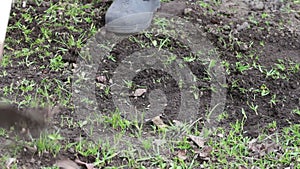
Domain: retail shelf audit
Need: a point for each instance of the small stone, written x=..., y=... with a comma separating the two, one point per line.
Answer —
x=199, y=20
x=243, y=47
x=66, y=64
x=187, y=11
x=75, y=65
x=24, y=4
x=243, y=26
x=139, y=92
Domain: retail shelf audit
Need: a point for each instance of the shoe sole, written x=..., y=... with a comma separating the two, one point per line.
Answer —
x=122, y=25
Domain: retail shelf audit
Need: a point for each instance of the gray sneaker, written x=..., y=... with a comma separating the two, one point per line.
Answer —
x=130, y=16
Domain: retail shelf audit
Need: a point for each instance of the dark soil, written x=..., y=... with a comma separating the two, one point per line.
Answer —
x=222, y=23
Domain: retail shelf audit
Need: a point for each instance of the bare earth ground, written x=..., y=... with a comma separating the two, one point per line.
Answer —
x=260, y=36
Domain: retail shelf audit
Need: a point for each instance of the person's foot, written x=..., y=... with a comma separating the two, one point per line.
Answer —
x=130, y=16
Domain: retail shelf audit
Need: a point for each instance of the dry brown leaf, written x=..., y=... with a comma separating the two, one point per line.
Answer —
x=30, y=149
x=272, y=129
x=87, y=165
x=252, y=145
x=67, y=164
x=271, y=147
x=159, y=122
x=181, y=154
x=139, y=92
x=75, y=65
x=9, y=162
x=242, y=167
x=101, y=79
x=199, y=141
x=262, y=149
x=205, y=152
x=178, y=123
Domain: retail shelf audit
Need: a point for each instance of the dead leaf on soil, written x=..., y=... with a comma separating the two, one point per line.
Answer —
x=205, y=152
x=262, y=149
x=75, y=65
x=101, y=79
x=242, y=167
x=87, y=165
x=181, y=154
x=9, y=162
x=178, y=123
x=199, y=141
x=159, y=122
x=251, y=145
x=139, y=92
x=30, y=149
x=67, y=164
